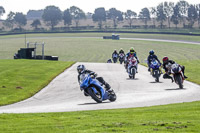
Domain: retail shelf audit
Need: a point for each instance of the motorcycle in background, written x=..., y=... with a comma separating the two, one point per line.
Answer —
x=114, y=57
x=177, y=73
x=92, y=87
x=132, y=67
x=155, y=71
x=121, y=58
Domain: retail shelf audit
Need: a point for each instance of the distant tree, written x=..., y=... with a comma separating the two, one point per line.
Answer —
x=2, y=11
x=198, y=12
x=144, y=15
x=183, y=9
x=20, y=19
x=176, y=15
x=153, y=13
x=168, y=9
x=130, y=16
x=67, y=17
x=99, y=16
x=115, y=15
x=192, y=15
x=36, y=23
x=77, y=14
x=9, y=22
x=52, y=16
x=161, y=16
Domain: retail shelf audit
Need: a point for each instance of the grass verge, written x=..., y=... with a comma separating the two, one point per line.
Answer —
x=177, y=118
x=20, y=79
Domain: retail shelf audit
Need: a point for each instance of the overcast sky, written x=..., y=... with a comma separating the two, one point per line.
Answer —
x=86, y=5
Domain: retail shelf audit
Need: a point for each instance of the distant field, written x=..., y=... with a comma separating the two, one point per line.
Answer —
x=98, y=49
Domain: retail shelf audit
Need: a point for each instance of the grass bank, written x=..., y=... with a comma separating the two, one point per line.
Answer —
x=178, y=118
x=20, y=79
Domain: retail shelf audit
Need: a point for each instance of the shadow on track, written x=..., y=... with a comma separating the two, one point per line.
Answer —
x=155, y=82
x=172, y=89
x=132, y=79
x=93, y=103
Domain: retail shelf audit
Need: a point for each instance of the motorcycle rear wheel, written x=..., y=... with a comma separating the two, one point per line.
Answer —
x=113, y=97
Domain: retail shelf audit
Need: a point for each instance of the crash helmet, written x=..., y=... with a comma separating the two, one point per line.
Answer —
x=132, y=50
x=165, y=59
x=151, y=52
x=80, y=69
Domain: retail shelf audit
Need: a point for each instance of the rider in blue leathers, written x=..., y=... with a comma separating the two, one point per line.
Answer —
x=82, y=70
x=151, y=57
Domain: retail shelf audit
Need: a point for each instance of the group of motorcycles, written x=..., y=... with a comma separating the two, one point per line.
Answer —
x=174, y=69
x=92, y=87
x=155, y=70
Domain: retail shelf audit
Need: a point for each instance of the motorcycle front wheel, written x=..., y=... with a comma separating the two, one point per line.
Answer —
x=96, y=96
x=178, y=79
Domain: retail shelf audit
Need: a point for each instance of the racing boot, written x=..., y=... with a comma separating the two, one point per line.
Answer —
x=108, y=88
x=185, y=77
x=172, y=79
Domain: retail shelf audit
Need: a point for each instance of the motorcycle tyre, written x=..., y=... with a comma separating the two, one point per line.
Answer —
x=113, y=97
x=93, y=95
x=156, y=76
x=179, y=81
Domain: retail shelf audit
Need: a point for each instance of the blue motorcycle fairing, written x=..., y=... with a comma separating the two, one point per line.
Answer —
x=155, y=65
x=89, y=82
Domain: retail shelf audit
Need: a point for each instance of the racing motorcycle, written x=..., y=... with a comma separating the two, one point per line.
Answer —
x=155, y=71
x=132, y=67
x=177, y=73
x=92, y=87
x=114, y=57
x=121, y=58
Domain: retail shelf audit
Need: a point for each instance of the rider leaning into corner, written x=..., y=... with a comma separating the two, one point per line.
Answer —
x=166, y=66
x=82, y=70
x=151, y=57
x=130, y=54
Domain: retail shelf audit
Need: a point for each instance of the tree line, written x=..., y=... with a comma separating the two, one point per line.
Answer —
x=176, y=13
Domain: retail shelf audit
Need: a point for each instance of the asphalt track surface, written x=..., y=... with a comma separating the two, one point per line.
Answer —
x=63, y=93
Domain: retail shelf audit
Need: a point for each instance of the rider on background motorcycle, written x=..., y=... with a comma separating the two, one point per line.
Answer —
x=121, y=51
x=82, y=70
x=131, y=62
x=115, y=54
x=166, y=66
x=130, y=54
x=151, y=57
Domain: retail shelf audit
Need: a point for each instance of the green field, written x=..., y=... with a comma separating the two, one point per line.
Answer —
x=21, y=79
x=175, y=118
x=169, y=118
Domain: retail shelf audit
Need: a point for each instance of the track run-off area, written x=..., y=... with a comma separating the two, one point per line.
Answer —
x=63, y=93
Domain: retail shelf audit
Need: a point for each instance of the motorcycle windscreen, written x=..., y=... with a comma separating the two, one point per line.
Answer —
x=84, y=79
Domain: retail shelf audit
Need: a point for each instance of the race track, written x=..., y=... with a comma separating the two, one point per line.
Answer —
x=63, y=93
